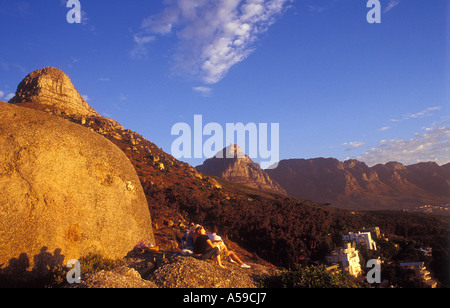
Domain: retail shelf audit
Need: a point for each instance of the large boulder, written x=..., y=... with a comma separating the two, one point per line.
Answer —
x=65, y=192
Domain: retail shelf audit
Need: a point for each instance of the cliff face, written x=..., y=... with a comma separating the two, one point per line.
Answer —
x=234, y=166
x=352, y=184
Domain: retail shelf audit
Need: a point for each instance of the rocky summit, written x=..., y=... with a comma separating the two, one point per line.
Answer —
x=50, y=88
x=233, y=165
x=66, y=192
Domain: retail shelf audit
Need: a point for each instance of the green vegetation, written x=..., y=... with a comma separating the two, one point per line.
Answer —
x=92, y=263
x=57, y=275
x=312, y=277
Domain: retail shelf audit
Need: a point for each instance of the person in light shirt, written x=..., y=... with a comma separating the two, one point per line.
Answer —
x=217, y=240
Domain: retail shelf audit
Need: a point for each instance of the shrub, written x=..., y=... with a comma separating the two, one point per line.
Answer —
x=92, y=263
x=311, y=277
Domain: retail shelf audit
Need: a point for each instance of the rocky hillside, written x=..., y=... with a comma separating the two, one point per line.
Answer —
x=352, y=184
x=170, y=270
x=233, y=165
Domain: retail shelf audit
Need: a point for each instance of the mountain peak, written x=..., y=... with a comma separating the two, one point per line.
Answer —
x=51, y=88
x=231, y=151
x=233, y=165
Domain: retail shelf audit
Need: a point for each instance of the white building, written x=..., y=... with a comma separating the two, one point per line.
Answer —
x=421, y=272
x=375, y=231
x=347, y=257
x=361, y=238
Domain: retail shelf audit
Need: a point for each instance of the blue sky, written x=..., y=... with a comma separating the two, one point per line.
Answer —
x=337, y=85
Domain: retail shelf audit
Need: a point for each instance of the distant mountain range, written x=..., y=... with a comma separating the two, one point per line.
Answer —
x=352, y=184
x=349, y=184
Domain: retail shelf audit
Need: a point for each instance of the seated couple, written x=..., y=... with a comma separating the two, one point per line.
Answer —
x=204, y=248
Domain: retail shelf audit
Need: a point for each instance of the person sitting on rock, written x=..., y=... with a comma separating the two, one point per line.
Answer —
x=215, y=239
x=186, y=242
x=191, y=237
x=204, y=248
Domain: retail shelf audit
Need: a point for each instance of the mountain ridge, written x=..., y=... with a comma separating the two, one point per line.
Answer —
x=353, y=184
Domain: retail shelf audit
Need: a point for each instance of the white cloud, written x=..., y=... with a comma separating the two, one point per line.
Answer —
x=384, y=128
x=143, y=39
x=139, y=49
x=85, y=18
x=205, y=91
x=6, y=96
x=353, y=145
x=86, y=98
x=391, y=5
x=434, y=145
x=212, y=36
x=9, y=96
x=420, y=114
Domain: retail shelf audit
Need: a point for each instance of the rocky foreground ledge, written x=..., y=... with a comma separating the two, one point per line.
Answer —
x=167, y=270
